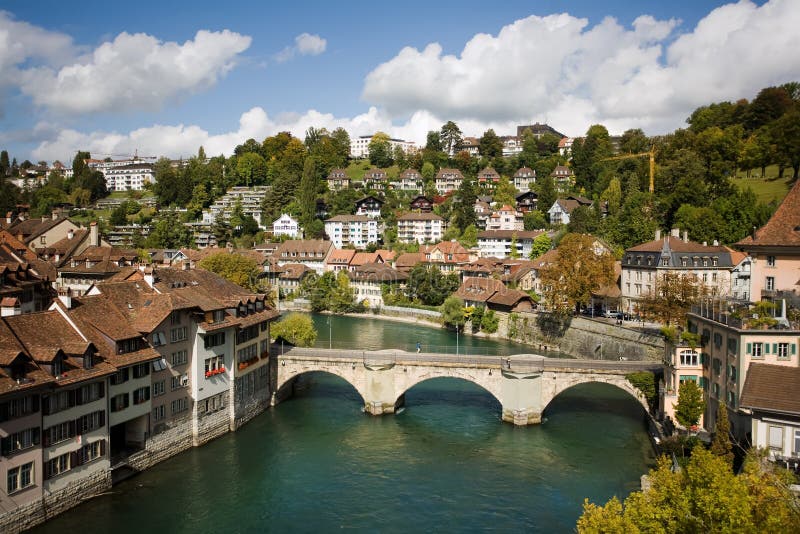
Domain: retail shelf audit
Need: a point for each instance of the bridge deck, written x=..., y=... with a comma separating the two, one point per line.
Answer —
x=514, y=361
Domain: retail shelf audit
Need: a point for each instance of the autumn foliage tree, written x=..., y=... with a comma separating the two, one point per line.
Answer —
x=580, y=268
x=671, y=297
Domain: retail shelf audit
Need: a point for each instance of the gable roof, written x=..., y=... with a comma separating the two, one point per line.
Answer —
x=478, y=289
x=783, y=228
x=771, y=388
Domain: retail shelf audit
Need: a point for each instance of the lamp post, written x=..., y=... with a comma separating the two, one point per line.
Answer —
x=330, y=334
x=456, y=339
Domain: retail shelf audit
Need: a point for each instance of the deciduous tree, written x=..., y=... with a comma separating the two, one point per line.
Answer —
x=690, y=405
x=240, y=270
x=296, y=328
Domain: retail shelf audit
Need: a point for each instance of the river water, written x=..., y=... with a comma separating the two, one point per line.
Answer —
x=316, y=463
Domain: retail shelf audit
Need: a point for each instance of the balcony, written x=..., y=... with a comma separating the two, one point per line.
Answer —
x=214, y=372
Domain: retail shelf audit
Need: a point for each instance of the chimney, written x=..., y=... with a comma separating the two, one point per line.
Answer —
x=70, y=233
x=94, y=236
x=676, y=232
x=54, y=214
x=10, y=306
x=9, y=217
x=150, y=276
x=716, y=243
x=686, y=236
x=658, y=234
x=66, y=298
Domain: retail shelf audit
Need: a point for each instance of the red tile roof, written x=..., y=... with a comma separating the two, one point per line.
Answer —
x=772, y=388
x=783, y=228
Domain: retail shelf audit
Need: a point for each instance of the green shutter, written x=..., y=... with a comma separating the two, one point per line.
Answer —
x=749, y=348
x=794, y=349
x=766, y=348
x=774, y=348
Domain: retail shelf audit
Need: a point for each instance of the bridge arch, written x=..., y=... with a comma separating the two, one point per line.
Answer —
x=286, y=374
x=483, y=379
x=564, y=383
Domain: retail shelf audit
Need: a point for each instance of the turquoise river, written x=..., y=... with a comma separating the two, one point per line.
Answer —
x=445, y=463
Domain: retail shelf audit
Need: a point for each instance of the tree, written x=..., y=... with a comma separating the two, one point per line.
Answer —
x=490, y=145
x=341, y=140
x=786, y=136
x=464, y=208
x=380, y=150
x=489, y=322
x=169, y=232
x=721, y=445
x=541, y=244
x=704, y=497
x=453, y=312
x=534, y=220
x=252, y=169
x=505, y=194
x=427, y=284
x=587, y=153
x=671, y=297
x=547, y=194
x=579, y=269
x=240, y=270
x=513, y=252
x=5, y=165
x=451, y=138
x=583, y=220
x=633, y=141
x=296, y=328
x=307, y=192
x=690, y=405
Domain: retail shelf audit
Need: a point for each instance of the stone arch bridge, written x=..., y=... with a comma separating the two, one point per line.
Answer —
x=523, y=384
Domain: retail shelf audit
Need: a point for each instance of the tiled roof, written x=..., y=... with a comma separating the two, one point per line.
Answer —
x=303, y=247
x=360, y=258
x=677, y=245
x=340, y=256
x=407, y=260
x=377, y=272
x=509, y=297
x=772, y=388
x=524, y=171
x=445, y=171
x=783, y=228
x=349, y=218
x=294, y=271
x=479, y=289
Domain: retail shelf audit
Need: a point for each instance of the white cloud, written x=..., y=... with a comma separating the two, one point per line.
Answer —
x=557, y=68
x=21, y=42
x=305, y=44
x=135, y=72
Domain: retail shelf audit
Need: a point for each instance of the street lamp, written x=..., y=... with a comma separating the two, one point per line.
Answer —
x=456, y=339
x=330, y=334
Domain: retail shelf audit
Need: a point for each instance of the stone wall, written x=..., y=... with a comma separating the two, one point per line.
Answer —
x=251, y=406
x=163, y=446
x=55, y=503
x=211, y=425
x=581, y=337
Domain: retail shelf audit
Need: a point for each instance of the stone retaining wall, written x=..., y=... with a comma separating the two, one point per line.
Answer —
x=163, y=446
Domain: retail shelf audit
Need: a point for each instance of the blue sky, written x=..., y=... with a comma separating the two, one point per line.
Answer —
x=164, y=78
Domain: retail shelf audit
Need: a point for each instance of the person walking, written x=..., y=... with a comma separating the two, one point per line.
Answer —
x=419, y=347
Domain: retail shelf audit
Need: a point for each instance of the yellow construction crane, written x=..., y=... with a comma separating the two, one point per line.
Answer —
x=650, y=154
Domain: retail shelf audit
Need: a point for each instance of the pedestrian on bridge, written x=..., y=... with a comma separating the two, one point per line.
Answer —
x=419, y=347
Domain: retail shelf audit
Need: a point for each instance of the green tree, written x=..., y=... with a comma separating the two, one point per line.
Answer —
x=296, y=328
x=534, y=220
x=469, y=238
x=252, y=169
x=634, y=141
x=721, y=444
x=307, y=192
x=546, y=195
x=428, y=285
x=584, y=220
x=341, y=140
x=119, y=216
x=453, y=312
x=786, y=135
x=169, y=232
x=451, y=138
x=5, y=165
x=380, y=150
x=464, y=206
x=240, y=270
x=588, y=153
x=513, y=252
x=541, y=244
x=489, y=322
x=505, y=194
x=690, y=405
x=671, y=297
x=490, y=145
x=613, y=196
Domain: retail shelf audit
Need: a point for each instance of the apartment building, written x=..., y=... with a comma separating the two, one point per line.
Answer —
x=448, y=180
x=352, y=230
x=129, y=177
x=249, y=198
x=337, y=180
x=499, y=243
x=420, y=228
x=524, y=178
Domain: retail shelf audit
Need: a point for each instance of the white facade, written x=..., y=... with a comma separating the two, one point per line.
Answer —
x=131, y=177
x=420, y=228
x=250, y=197
x=497, y=243
x=506, y=218
x=448, y=180
x=359, y=146
x=356, y=230
x=523, y=179
x=286, y=225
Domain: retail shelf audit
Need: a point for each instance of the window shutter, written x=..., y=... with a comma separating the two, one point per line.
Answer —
x=794, y=348
x=45, y=405
x=46, y=438
x=5, y=445
x=37, y=434
x=78, y=396
x=72, y=428
x=73, y=459
x=766, y=348
x=71, y=398
x=774, y=348
x=749, y=348
x=3, y=411
x=102, y=389
x=102, y=419
x=35, y=403
x=102, y=447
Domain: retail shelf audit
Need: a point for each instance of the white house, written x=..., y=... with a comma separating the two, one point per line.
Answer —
x=506, y=218
x=359, y=146
x=497, y=243
x=420, y=228
x=286, y=225
x=130, y=177
x=354, y=230
x=448, y=180
x=523, y=179
x=410, y=180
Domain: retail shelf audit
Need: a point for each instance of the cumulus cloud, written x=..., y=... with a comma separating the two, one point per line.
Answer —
x=560, y=69
x=21, y=42
x=134, y=72
x=305, y=44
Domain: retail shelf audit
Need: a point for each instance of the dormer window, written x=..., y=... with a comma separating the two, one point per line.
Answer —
x=58, y=367
x=218, y=316
x=88, y=360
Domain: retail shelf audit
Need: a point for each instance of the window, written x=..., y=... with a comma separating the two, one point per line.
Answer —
x=119, y=377
x=175, y=318
x=18, y=441
x=60, y=464
x=248, y=353
x=732, y=345
x=180, y=357
x=715, y=389
x=732, y=399
x=141, y=395
x=218, y=316
x=770, y=283
x=58, y=433
x=797, y=442
x=91, y=452
x=757, y=350
x=89, y=393
x=89, y=422
x=770, y=261
x=214, y=365
x=141, y=369
x=177, y=334
x=214, y=340
x=688, y=357
x=158, y=388
x=179, y=382
x=119, y=402
x=158, y=339
x=159, y=365
x=180, y=405
x=159, y=413
x=717, y=339
x=19, y=407
x=732, y=372
x=776, y=437
x=783, y=350
x=20, y=477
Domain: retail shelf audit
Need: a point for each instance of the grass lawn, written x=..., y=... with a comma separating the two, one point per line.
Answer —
x=359, y=167
x=767, y=189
